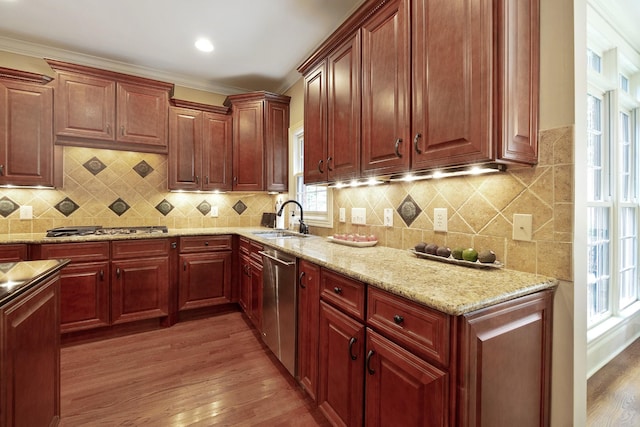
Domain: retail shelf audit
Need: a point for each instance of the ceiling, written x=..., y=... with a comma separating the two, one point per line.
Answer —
x=258, y=44
x=623, y=15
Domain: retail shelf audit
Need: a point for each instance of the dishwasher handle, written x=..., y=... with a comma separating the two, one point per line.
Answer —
x=279, y=261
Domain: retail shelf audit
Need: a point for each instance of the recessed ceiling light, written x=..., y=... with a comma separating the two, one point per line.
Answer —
x=204, y=45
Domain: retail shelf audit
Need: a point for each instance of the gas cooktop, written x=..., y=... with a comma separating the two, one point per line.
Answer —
x=87, y=230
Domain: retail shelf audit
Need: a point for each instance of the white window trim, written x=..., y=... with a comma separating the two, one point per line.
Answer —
x=310, y=218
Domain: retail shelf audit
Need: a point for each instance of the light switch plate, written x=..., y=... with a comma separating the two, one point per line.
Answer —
x=26, y=212
x=440, y=219
x=522, y=227
x=343, y=215
x=358, y=216
x=214, y=211
x=388, y=217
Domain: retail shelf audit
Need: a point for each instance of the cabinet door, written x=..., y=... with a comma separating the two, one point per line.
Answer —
x=85, y=107
x=308, y=323
x=245, y=284
x=315, y=125
x=343, y=111
x=248, y=146
x=139, y=289
x=256, y=294
x=452, y=47
x=505, y=363
x=30, y=367
x=84, y=296
x=276, y=152
x=385, y=90
x=341, y=367
x=205, y=280
x=26, y=139
x=185, y=148
x=518, y=84
x=217, y=152
x=401, y=388
x=142, y=114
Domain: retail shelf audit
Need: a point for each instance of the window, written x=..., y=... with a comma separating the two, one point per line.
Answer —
x=316, y=200
x=612, y=186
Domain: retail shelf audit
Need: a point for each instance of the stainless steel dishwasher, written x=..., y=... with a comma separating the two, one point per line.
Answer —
x=279, y=300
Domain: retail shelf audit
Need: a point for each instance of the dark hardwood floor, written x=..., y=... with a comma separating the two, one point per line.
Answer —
x=613, y=393
x=212, y=371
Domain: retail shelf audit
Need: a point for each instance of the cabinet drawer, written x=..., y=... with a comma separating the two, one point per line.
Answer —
x=146, y=248
x=204, y=243
x=78, y=252
x=13, y=252
x=345, y=293
x=251, y=248
x=417, y=328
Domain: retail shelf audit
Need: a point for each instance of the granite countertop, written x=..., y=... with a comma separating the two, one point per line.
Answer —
x=18, y=277
x=451, y=289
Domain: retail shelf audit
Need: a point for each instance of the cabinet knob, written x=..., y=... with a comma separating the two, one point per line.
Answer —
x=415, y=143
x=174, y=245
x=398, y=319
x=320, y=166
x=337, y=290
x=398, y=142
x=352, y=341
x=206, y=243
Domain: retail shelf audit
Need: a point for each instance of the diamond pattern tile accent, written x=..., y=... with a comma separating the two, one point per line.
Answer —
x=164, y=207
x=239, y=207
x=204, y=208
x=67, y=206
x=7, y=206
x=409, y=210
x=143, y=168
x=94, y=165
x=119, y=207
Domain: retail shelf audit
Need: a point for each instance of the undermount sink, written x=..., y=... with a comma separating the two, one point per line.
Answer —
x=278, y=234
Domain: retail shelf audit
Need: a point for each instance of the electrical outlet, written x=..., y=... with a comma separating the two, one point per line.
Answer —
x=388, y=217
x=214, y=211
x=26, y=212
x=343, y=215
x=522, y=227
x=440, y=219
x=358, y=216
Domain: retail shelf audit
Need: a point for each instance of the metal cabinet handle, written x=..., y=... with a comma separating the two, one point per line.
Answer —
x=320, y=166
x=101, y=275
x=329, y=168
x=300, y=280
x=174, y=245
x=122, y=130
x=108, y=129
x=184, y=265
x=368, y=362
x=398, y=319
x=337, y=290
x=1, y=170
x=207, y=179
x=352, y=341
x=415, y=143
x=118, y=273
x=398, y=142
x=197, y=179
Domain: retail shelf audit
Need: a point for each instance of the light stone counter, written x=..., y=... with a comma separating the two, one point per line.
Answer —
x=451, y=289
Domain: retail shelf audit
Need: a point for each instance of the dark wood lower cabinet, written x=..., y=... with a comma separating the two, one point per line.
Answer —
x=401, y=388
x=308, y=325
x=205, y=280
x=341, y=367
x=84, y=296
x=30, y=362
x=251, y=281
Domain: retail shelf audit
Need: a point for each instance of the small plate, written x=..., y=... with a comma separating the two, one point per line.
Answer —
x=352, y=243
x=451, y=260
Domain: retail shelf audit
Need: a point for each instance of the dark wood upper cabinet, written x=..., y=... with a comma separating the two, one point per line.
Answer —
x=385, y=90
x=443, y=84
x=199, y=148
x=260, y=141
x=451, y=76
x=27, y=154
x=102, y=109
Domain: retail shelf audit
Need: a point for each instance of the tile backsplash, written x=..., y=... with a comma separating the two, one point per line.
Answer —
x=116, y=188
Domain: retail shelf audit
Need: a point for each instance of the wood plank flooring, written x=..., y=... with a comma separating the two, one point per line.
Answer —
x=212, y=371
x=613, y=393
